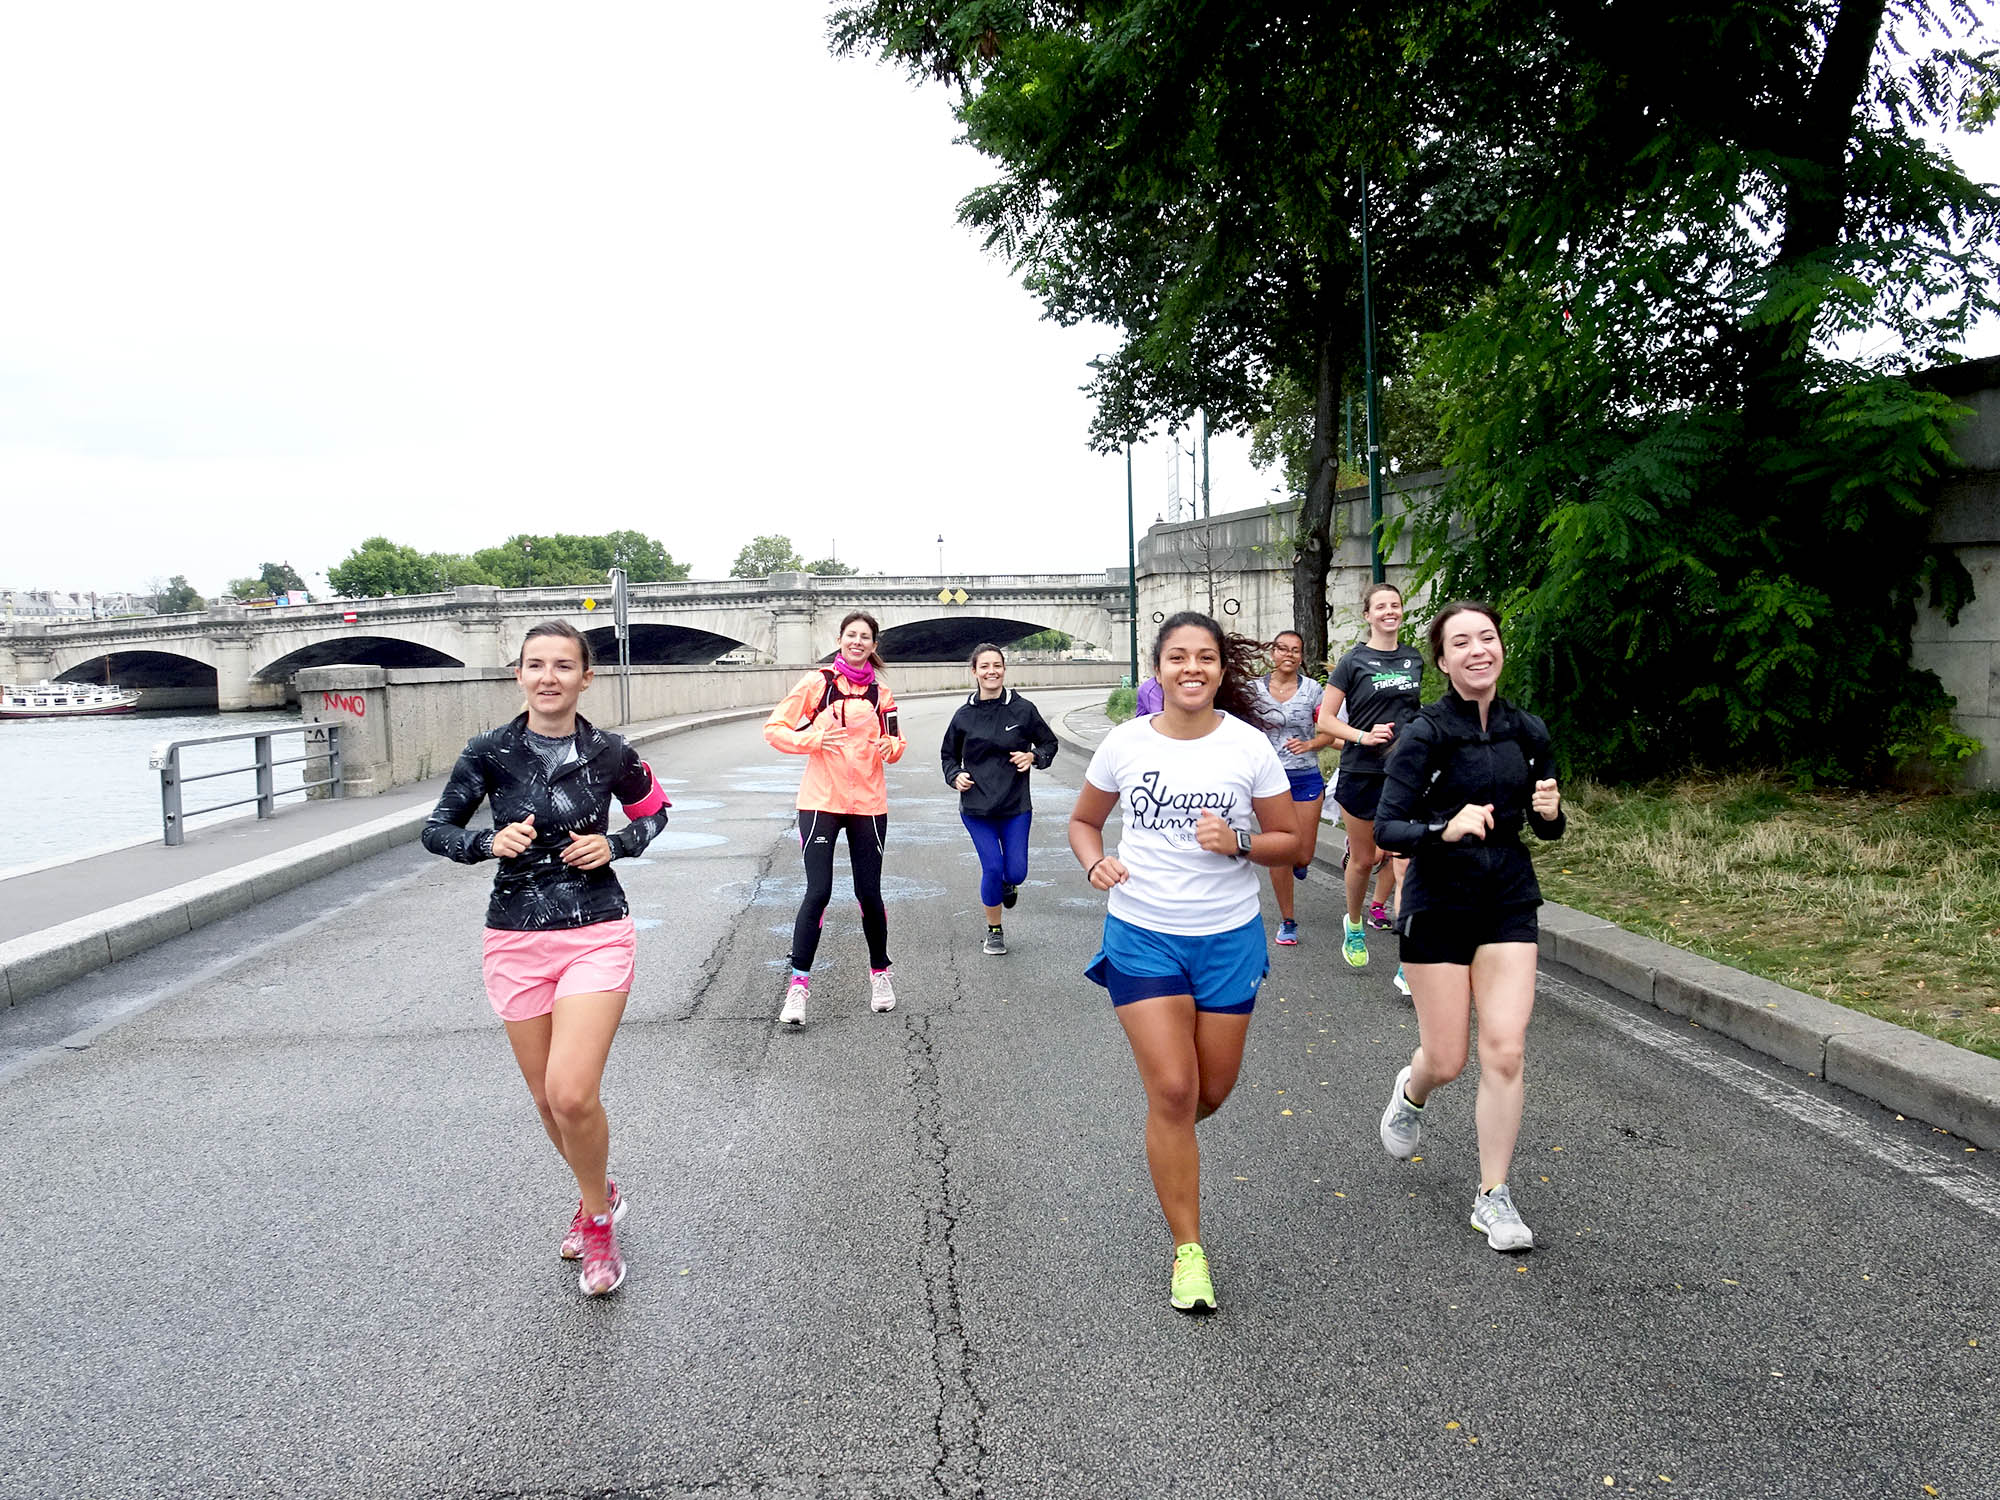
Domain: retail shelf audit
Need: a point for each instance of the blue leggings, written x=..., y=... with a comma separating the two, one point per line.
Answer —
x=1003, y=852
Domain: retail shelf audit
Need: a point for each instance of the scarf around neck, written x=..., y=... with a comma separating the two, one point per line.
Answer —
x=861, y=676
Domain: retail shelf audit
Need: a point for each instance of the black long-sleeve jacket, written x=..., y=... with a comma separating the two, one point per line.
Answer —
x=535, y=891
x=1440, y=761
x=980, y=737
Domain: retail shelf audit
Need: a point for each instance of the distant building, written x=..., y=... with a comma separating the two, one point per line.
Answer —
x=57, y=604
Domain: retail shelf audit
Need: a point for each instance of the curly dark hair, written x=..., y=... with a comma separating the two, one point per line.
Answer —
x=1241, y=657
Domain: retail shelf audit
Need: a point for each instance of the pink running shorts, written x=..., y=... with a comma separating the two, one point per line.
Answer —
x=527, y=972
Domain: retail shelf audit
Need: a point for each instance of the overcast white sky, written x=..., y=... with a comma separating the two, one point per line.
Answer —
x=275, y=279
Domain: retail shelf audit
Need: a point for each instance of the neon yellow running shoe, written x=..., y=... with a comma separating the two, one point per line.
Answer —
x=1193, y=1290
x=1353, y=944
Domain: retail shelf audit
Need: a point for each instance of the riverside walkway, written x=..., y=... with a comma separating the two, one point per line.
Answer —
x=281, y=1220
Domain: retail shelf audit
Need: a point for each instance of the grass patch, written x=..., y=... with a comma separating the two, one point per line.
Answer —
x=1885, y=902
x=1119, y=706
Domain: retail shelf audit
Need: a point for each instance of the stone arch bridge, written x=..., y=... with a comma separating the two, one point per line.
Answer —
x=245, y=658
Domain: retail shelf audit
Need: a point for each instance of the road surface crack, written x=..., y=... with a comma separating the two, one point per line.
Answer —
x=959, y=1416
x=718, y=953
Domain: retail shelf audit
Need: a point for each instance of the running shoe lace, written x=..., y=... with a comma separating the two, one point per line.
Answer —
x=603, y=1266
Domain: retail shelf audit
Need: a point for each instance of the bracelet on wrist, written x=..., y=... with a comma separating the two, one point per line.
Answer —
x=1094, y=864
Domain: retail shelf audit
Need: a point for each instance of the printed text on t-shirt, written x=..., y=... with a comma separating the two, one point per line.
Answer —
x=1152, y=805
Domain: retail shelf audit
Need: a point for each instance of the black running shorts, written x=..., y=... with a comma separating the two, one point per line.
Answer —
x=1358, y=793
x=1452, y=937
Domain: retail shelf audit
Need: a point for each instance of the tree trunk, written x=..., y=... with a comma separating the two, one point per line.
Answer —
x=1313, y=523
x=1815, y=203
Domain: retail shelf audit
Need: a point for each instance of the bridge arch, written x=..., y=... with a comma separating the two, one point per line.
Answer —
x=661, y=645
x=951, y=637
x=356, y=650
x=143, y=669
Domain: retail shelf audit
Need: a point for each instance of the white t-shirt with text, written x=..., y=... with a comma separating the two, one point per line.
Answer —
x=1163, y=787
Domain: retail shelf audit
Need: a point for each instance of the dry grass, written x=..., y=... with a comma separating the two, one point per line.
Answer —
x=1885, y=902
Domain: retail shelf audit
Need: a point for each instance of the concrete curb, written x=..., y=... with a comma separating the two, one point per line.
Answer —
x=40, y=961
x=1903, y=1070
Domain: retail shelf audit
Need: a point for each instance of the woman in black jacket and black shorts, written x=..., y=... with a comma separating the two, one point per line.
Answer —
x=1463, y=778
x=994, y=740
x=560, y=944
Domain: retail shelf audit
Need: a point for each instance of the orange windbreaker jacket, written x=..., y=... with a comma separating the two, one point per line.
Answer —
x=846, y=776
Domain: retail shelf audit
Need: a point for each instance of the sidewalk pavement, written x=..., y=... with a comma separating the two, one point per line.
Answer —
x=1902, y=1070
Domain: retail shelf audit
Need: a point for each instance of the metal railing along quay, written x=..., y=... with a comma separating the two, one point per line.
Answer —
x=167, y=761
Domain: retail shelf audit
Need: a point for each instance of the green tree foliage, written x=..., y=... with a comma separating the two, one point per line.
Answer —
x=1190, y=176
x=380, y=567
x=1044, y=640
x=525, y=561
x=831, y=567
x=272, y=578
x=1690, y=464
x=764, y=556
x=280, y=578
x=177, y=596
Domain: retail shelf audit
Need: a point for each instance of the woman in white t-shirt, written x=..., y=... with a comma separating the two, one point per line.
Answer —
x=1183, y=952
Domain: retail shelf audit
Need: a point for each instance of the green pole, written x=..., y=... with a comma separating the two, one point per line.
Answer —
x=1132, y=567
x=1374, y=428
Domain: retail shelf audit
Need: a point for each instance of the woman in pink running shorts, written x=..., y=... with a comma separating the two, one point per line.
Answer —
x=559, y=936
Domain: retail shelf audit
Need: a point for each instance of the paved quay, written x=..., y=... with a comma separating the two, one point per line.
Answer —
x=282, y=1221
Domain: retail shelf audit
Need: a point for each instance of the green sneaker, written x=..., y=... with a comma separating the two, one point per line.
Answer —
x=1193, y=1290
x=1354, y=943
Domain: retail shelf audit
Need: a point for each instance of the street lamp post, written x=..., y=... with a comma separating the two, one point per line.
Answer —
x=940, y=558
x=1132, y=568
x=1374, y=429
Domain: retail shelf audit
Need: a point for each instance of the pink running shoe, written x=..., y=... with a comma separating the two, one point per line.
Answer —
x=1378, y=917
x=603, y=1267
x=572, y=1245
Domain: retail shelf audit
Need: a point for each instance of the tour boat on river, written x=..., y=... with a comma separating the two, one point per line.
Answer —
x=49, y=700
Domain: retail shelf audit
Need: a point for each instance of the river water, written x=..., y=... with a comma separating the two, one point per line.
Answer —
x=75, y=786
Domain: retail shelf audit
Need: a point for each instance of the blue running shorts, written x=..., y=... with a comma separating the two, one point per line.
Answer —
x=1222, y=970
x=1307, y=786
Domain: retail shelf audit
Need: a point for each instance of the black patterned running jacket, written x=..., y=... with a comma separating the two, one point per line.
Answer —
x=535, y=891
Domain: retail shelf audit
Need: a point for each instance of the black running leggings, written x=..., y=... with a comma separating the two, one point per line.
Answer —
x=865, y=837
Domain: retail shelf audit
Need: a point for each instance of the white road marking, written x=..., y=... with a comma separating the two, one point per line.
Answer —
x=1949, y=1177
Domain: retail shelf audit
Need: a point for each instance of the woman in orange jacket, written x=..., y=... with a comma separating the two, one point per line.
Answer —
x=843, y=718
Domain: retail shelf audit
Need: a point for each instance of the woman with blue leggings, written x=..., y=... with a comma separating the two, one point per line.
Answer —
x=994, y=740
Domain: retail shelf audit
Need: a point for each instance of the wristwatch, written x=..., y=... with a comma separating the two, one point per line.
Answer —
x=1242, y=843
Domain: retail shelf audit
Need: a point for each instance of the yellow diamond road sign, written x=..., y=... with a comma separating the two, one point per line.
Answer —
x=958, y=597
x=944, y=596
x=590, y=604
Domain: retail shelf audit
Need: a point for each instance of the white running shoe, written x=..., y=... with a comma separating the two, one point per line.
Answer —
x=883, y=996
x=1402, y=1121
x=1494, y=1215
x=1402, y=980
x=794, y=1013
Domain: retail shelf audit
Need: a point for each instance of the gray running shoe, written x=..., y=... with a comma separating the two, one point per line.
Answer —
x=1402, y=1121
x=996, y=941
x=1494, y=1215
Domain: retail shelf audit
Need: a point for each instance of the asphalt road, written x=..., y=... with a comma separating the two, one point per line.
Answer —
x=280, y=1221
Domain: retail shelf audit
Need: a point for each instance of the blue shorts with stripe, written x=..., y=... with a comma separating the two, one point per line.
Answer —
x=1222, y=970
